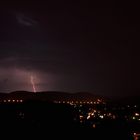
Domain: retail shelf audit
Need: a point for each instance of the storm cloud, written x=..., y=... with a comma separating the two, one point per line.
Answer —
x=69, y=47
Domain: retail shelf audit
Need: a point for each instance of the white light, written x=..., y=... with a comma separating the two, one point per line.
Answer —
x=137, y=114
x=134, y=118
x=21, y=101
x=101, y=116
x=109, y=114
x=88, y=117
x=92, y=114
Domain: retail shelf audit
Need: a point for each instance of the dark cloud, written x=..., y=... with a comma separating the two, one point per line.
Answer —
x=25, y=20
x=70, y=47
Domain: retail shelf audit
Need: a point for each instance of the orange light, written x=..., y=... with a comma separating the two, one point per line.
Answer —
x=94, y=126
x=80, y=116
x=92, y=114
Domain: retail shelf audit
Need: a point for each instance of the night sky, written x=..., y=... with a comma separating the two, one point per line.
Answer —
x=70, y=46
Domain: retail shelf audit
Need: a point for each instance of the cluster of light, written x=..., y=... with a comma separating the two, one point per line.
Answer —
x=101, y=116
x=97, y=113
x=136, y=136
x=136, y=116
x=80, y=102
x=12, y=101
x=94, y=113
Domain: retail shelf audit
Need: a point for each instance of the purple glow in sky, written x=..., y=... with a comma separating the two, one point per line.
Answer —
x=17, y=79
x=76, y=46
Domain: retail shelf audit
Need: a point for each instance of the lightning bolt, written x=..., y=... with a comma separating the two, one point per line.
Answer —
x=33, y=84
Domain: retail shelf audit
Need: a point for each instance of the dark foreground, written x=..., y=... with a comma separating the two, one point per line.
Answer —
x=43, y=120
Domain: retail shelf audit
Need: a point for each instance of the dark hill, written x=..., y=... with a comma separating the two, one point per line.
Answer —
x=51, y=96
